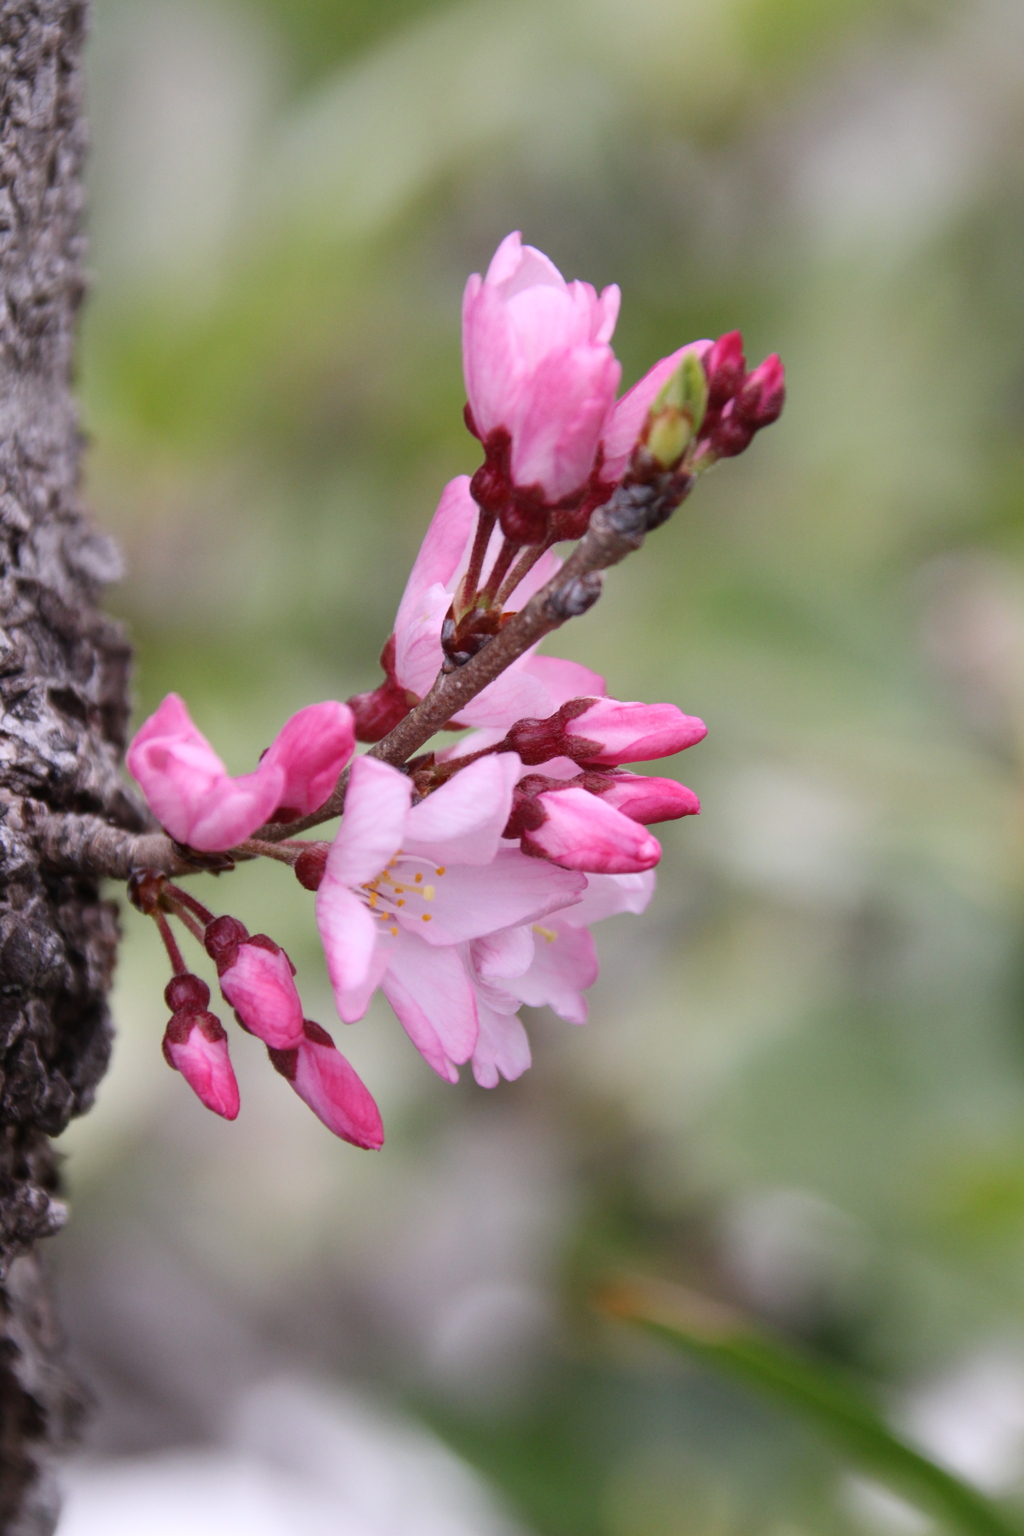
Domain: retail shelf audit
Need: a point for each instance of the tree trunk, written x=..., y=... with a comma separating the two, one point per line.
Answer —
x=63, y=690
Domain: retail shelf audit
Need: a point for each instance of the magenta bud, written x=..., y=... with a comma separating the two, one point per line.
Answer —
x=259, y=986
x=725, y=367
x=195, y=1045
x=732, y=435
x=310, y=865
x=222, y=937
x=379, y=711
x=763, y=394
x=607, y=732
x=325, y=1081
x=189, y=993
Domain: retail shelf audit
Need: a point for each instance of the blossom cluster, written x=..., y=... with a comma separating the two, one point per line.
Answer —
x=461, y=883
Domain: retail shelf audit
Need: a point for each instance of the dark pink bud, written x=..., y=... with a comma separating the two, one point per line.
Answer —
x=196, y=1046
x=379, y=711
x=325, y=1081
x=643, y=799
x=763, y=394
x=222, y=938
x=491, y=486
x=536, y=741
x=732, y=435
x=582, y=831
x=725, y=367
x=310, y=865
x=258, y=984
x=188, y=993
x=526, y=518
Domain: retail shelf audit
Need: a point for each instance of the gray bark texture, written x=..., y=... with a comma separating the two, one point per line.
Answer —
x=63, y=696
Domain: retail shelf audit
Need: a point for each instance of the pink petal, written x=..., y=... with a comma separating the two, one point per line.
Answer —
x=502, y=1048
x=565, y=412
x=607, y=312
x=501, y=956
x=515, y=266
x=565, y=680
x=444, y=545
x=582, y=832
x=462, y=822
x=356, y=957
x=311, y=749
x=418, y=653
x=564, y=966
x=229, y=812
x=470, y=900
x=197, y=1047
x=335, y=1093
x=260, y=987
x=630, y=413
x=371, y=831
x=492, y=367
x=607, y=896
x=433, y=998
x=514, y=695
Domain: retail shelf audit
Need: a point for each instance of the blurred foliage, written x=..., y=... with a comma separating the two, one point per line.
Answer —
x=803, y=1084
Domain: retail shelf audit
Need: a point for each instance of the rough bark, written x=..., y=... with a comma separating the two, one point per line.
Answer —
x=63, y=692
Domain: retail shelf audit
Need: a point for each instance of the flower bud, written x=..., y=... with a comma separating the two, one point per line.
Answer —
x=310, y=865
x=187, y=993
x=582, y=831
x=641, y=798
x=677, y=412
x=763, y=394
x=258, y=984
x=377, y=712
x=725, y=367
x=325, y=1081
x=222, y=937
x=195, y=1045
x=609, y=732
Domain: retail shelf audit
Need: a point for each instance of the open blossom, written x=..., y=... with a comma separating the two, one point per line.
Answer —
x=406, y=888
x=189, y=790
x=547, y=964
x=539, y=367
x=532, y=685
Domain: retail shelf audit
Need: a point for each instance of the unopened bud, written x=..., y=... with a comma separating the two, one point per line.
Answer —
x=187, y=993
x=763, y=394
x=222, y=938
x=725, y=366
x=310, y=865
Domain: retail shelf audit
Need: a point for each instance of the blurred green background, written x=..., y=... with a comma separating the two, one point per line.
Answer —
x=802, y=1087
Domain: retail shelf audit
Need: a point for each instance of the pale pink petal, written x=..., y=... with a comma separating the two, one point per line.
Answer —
x=564, y=966
x=470, y=900
x=259, y=986
x=608, y=895
x=198, y=1048
x=418, y=653
x=433, y=997
x=582, y=832
x=353, y=947
x=493, y=369
x=376, y=807
x=444, y=545
x=502, y=1048
x=606, y=312
x=565, y=680
x=630, y=412
x=311, y=749
x=514, y=695
x=462, y=822
x=500, y=956
x=506, y=261
x=335, y=1093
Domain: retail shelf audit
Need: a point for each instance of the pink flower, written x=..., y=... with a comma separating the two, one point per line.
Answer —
x=538, y=366
x=325, y=1081
x=533, y=685
x=550, y=963
x=606, y=732
x=256, y=978
x=405, y=888
x=644, y=799
x=191, y=793
x=196, y=1045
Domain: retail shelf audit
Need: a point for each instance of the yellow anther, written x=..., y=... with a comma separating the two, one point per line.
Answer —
x=418, y=877
x=426, y=917
x=440, y=871
x=394, y=933
x=429, y=893
x=400, y=903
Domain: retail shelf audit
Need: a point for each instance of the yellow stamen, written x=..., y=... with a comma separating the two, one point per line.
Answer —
x=418, y=878
x=440, y=871
x=426, y=917
x=545, y=933
x=429, y=893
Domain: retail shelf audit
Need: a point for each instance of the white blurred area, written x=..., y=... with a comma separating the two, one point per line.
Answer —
x=298, y=1459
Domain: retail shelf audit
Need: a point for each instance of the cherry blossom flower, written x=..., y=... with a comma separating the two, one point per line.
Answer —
x=404, y=887
x=606, y=732
x=533, y=685
x=189, y=790
x=538, y=366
